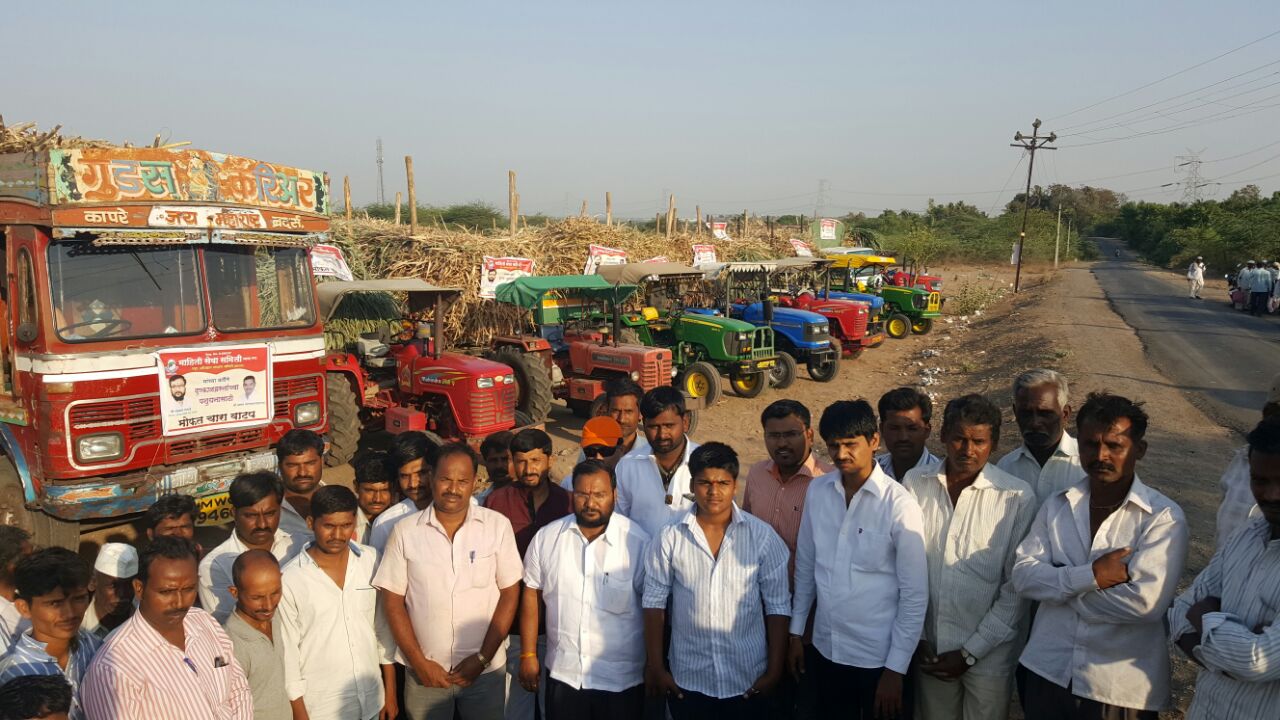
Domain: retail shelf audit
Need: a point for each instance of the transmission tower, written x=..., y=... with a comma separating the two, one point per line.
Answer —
x=820, y=204
x=382, y=195
x=1192, y=181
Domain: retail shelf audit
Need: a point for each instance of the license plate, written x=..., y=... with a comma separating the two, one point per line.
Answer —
x=213, y=510
x=875, y=338
x=766, y=363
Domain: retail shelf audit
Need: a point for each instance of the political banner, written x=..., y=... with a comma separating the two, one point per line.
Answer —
x=720, y=230
x=598, y=255
x=328, y=261
x=827, y=230
x=704, y=255
x=656, y=259
x=802, y=248
x=495, y=271
x=214, y=388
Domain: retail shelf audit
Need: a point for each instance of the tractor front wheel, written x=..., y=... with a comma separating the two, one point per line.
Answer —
x=897, y=326
x=748, y=385
x=922, y=326
x=532, y=377
x=701, y=380
x=344, y=419
x=783, y=372
x=825, y=368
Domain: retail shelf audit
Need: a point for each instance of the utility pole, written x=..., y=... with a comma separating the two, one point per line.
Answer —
x=1057, y=237
x=382, y=195
x=1031, y=145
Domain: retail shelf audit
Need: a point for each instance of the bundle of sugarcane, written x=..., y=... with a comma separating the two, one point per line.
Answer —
x=26, y=138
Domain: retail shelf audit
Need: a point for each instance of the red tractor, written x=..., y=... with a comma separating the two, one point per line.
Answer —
x=387, y=365
x=800, y=282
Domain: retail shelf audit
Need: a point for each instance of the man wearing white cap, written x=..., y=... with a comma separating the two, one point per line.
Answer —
x=112, y=604
x=1195, y=276
x=1238, y=504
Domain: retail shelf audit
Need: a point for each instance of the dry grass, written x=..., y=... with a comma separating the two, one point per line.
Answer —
x=26, y=138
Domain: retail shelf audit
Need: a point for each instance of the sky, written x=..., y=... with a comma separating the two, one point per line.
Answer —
x=729, y=106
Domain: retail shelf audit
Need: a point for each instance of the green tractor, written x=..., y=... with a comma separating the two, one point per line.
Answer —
x=704, y=344
x=907, y=309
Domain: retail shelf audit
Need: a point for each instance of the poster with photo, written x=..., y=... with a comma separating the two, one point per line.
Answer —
x=720, y=230
x=598, y=255
x=214, y=388
x=495, y=271
x=802, y=248
x=704, y=254
x=328, y=261
x=827, y=229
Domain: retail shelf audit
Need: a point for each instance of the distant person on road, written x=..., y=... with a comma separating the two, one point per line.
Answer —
x=906, y=415
x=1259, y=287
x=1238, y=504
x=1195, y=277
x=1048, y=459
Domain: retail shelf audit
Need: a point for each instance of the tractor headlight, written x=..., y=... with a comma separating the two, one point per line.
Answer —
x=307, y=413
x=484, y=383
x=99, y=448
x=635, y=375
x=744, y=337
x=508, y=379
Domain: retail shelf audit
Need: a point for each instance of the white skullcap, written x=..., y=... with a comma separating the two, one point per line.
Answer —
x=117, y=560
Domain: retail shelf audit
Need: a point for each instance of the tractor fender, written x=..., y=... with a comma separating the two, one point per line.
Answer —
x=346, y=363
x=13, y=450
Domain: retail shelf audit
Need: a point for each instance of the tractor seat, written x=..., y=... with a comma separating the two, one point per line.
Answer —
x=650, y=314
x=554, y=334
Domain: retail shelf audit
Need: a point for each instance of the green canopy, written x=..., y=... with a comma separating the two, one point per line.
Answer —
x=527, y=292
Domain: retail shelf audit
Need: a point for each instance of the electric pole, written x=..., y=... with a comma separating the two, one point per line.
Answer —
x=1031, y=145
x=382, y=196
x=1057, y=238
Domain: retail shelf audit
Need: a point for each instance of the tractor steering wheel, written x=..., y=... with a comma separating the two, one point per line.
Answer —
x=114, y=326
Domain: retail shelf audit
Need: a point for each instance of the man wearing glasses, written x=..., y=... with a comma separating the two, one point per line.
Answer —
x=602, y=441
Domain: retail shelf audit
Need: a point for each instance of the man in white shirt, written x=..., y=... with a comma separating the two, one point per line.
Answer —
x=974, y=517
x=375, y=492
x=622, y=403
x=1237, y=497
x=1048, y=459
x=1195, y=277
x=336, y=645
x=861, y=558
x=723, y=574
x=255, y=499
x=1103, y=559
x=409, y=460
x=113, y=593
x=653, y=487
x=1226, y=621
x=15, y=544
x=1259, y=287
x=300, y=454
x=586, y=571
x=906, y=415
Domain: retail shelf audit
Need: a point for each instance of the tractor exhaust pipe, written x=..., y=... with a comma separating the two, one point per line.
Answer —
x=768, y=311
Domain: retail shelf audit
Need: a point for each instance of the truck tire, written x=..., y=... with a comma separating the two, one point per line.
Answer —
x=45, y=530
x=897, y=326
x=533, y=379
x=701, y=379
x=922, y=326
x=749, y=385
x=599, y=406
x=825, y=368
x=783, y=373
x=344, y=419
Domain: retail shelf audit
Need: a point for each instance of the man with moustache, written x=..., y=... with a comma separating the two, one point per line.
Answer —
x=300, y=455
x=587, y=572
x=622, y=403
x=374, y=493
x=1048, y=459
x=172, y=515
x=170, y=661
x=495, y=452
x=255, y=499
x=906, y=415
x=1226, y=621
x=1103, y=559
x=602, y=441
x=653, y=485
x=113, y=573
x=974, y=517
x=254, y=629
x=409, y=462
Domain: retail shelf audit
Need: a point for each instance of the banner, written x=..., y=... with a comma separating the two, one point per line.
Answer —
x=327, y=261
x=598, y=255
x=827, y=231
x=214, y=388
x=704, y=255
x=720, y=230
x=495, y=271
x=656, y=259
x=802, y=248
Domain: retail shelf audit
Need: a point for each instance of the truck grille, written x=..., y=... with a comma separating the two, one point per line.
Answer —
x=285, y=390
x=141, y=416
x=205, y=444
x=494, y=408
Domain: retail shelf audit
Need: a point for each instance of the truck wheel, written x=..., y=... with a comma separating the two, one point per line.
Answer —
x=897, y=326
x=825, y=368
x=783, y=372
x=46, y=530
x=533, y=379
x=748, y=385
x=701, y=379
x=922, y=326
x=344, y=419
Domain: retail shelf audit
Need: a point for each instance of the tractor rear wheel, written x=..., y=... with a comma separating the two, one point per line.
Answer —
x=693, y=421
x=748, y=385
x=922, y=326
x=897, y=326
x=532, y=377
x=599, y=406
x=783, y=372
x=701, y=380
x=344, y=419
x=825, y=368
x=46, y=530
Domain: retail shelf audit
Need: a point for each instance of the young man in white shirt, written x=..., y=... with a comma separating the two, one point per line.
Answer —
x=723, y=575
x=653, y=486
x=974, y=517
x=906, y=416
x=300, y=454
x=1226, y=621
x=1238, y=503
x=586, y=572
x=336, y=645
x=1048, y=459
x=409, y=461
x=861, y=559
x=375, y=492
x=1103, y=559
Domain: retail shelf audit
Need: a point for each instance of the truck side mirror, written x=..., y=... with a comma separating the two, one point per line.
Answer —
x=26, y=332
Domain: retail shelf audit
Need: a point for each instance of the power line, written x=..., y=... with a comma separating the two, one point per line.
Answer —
x=1192, y=123
x=1007, y=180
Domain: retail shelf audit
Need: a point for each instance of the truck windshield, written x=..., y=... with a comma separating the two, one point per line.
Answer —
x=115, y=292
x=256, y=287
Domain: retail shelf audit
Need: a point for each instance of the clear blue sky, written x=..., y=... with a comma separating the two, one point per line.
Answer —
x=729, y=105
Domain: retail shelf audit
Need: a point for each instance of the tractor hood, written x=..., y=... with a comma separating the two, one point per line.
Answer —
x=713, y=318
x=875, y=301
x=787, y=317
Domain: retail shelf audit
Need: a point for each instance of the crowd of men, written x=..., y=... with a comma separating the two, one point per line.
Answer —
x=892, y=584
x=1259, y=284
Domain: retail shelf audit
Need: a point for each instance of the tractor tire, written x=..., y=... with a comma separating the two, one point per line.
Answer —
x=344, y=419
x=532, y=377
x=701, y=379
x=693, y=421
x=922, y=326
x=599, y=406
x=826, y=370
x=46, y=530
x=748, y=385
x=783, y=373
x=898, y=326
x=522, y=420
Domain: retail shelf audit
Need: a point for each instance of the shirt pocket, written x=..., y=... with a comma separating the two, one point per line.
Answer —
x=871, y=551
x=617, y=594
x=483, y=570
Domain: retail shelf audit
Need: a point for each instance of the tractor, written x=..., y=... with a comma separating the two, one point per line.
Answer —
x=386, y=368
x=908, y=309
x=703, y=346
x=803, y=282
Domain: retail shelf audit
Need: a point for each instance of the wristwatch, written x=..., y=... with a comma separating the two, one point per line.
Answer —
x=485, y=661
x=969, y=660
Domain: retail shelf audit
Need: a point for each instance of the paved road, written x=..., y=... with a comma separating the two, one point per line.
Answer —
x=1223, y=358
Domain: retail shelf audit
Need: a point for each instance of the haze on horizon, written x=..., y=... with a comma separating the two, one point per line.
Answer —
x=729, y=105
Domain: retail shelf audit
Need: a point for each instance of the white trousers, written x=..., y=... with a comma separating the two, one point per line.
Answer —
x=520, y=701
x=971, y=697
x=1196, y=287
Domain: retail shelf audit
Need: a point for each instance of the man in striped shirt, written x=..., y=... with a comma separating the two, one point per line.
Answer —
x=170, y=661
x=1227, y=620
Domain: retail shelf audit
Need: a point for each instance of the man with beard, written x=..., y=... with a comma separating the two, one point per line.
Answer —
x=409, y=461
x=531, y=503
x=1103, y=559
x=974, y=517
x=1238, y=504
x=374, y=493
x=300, y=455
x=170, y=661
x=336, y=646
x=495, y=452
x=653, y=486
x=1048, y=459
x=906, y=415
x=113, y=573
x=1226, y=621
x=586, y=571
x=255, y=500
x=254, y=630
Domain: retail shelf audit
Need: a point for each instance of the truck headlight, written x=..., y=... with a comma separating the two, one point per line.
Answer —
x=484, y=383
x=635, y=375
x=101, y=447
x=307, y=413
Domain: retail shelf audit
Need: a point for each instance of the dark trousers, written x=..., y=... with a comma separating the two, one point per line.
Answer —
x=1258, y=303
x=566, y=703
x=1047, y=701
x=849, y=692
x=792, y=699
x=696, y=706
